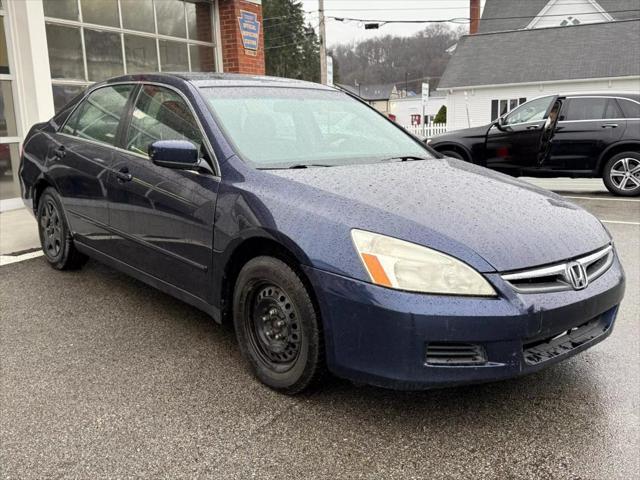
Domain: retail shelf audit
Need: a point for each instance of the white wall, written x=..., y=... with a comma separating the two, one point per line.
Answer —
x=558, y=10
x=477, y=101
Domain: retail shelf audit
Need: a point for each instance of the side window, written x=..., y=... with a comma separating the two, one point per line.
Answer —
x=631, y=109
x=586, y=108
x=612, y=110
x=98, y=117
x=532, y=111
x=160, y=114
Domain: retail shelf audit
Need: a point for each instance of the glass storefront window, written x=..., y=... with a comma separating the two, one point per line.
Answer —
x=170, y=18
x=65, y=52
x=104, y=54
x=66, y=9
x=8, y=127
x=202, y=58
x=173, y=56
x=63, y=94
x=4, y=58
x=9, y=159
x=101, y=12
x=137, y=15
x=199, y=21
x=141, y=54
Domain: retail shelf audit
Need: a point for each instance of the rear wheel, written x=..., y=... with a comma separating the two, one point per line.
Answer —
x=621, y=174
x=55, y=236
x=277, y=326
x=453, y=154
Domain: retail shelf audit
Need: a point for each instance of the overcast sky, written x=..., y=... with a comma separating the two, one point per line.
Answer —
x=341, y=32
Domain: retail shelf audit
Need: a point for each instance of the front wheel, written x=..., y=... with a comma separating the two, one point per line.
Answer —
x=621, y=174
x=452, y=154
x=55, y=236
x=277, y=327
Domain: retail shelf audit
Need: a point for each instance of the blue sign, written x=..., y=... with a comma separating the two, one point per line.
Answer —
x=249, y=29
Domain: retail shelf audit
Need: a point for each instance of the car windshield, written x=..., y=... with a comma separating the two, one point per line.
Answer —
x=294, y=127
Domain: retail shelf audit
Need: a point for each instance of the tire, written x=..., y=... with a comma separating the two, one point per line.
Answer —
x=277, y=326
x=453, y=154
x=55, y=236
x=621, y=174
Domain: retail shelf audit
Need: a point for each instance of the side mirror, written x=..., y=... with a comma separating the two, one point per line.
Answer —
x=500, y=123
x=178, y=154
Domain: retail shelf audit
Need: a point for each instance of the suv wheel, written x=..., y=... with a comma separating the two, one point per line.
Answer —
x=55, y=236
x=277, y=327
x=621, y=174
x=452, y=154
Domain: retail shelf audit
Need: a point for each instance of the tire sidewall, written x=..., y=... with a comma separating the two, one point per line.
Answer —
x=607, y=170
x=281, y=275
x=59, y=260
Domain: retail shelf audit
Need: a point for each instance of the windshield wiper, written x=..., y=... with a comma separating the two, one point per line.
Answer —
x=297, y=166
x=404, y=158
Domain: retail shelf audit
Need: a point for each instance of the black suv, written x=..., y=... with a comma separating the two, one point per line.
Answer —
x=581, y=135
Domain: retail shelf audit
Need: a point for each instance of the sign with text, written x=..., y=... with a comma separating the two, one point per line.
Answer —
x=249, y=30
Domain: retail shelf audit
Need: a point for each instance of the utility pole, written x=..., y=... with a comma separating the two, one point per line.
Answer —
x=323, y=44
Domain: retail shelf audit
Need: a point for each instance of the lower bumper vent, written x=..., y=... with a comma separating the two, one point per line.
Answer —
x=455, y=354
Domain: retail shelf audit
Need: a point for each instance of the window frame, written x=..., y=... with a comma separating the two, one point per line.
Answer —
x=546, y=114
x=126, y=120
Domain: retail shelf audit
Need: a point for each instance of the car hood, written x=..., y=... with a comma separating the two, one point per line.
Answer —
x=509, y=223
x=474, y=132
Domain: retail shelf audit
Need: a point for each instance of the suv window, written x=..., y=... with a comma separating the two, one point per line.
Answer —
x=630, y=108
x=160, y=114
x=588, y=108
x=532, y=111
x=98, y=117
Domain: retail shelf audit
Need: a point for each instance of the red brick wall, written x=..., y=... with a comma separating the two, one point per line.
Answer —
x=234, y=57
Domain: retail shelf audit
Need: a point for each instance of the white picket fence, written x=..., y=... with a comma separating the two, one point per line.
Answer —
x=427, y=130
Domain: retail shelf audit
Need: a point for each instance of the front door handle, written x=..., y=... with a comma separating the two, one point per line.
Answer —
x=532, y=127
x=60, y=152
x=123, y=175
x=610, y=125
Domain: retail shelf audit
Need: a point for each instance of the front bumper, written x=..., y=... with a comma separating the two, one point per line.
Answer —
x=380, y=336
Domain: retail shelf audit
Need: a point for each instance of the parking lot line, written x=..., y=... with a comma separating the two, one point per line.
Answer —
x=603, y=198
x=620, y=222
x=8, y=259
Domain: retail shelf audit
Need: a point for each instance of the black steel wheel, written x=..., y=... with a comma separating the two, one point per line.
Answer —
x=277, y=326
x=55, y=237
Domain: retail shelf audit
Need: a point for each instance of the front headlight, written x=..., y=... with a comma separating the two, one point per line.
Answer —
x=403, y=265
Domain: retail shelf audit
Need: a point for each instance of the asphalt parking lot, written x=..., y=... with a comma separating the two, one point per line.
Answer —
x=104, y=377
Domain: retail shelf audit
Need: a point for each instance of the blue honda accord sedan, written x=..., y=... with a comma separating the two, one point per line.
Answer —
x=330, y=237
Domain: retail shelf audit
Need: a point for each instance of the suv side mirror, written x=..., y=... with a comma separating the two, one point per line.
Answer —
x=178, y=154
x=500, y=123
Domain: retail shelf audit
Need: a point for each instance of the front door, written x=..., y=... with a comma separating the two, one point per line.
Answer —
x=163, y=218
x=81, y=157
x=513, y=143
x=587, y=126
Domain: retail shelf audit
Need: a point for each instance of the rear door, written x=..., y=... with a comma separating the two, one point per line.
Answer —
x=587, y=125
x=163, y=217
x=513, y=144
x=80, y=157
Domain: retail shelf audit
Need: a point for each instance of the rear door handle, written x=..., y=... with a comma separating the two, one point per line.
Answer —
x=123, y=175
x=610, y=125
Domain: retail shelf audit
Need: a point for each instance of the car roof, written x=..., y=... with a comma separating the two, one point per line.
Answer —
x=220, y=80
x=631, y=96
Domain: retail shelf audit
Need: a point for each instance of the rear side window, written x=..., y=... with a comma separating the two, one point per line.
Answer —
x=588, y=108
x=630, y=108
x=160, y=114
x=98, y=117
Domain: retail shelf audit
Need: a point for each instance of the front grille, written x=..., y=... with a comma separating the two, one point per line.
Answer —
x=556, y=277
x=541, y=350
x=455, y=354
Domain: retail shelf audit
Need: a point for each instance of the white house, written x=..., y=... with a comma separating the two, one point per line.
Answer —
x=527, y=49
x=409, y=110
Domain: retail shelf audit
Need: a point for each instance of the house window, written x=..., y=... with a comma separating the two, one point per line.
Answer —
x=90, y=41
x=569, y=21
x=503, y=106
